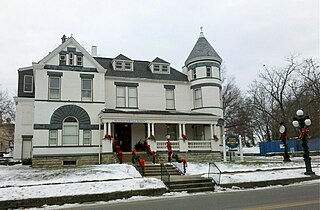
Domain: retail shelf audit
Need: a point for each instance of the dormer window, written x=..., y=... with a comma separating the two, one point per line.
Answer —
x=159, y=66
x=122, y=63
x=63, y=60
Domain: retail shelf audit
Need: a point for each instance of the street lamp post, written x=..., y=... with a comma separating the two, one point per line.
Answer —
x=302, y=122
x=283, y=136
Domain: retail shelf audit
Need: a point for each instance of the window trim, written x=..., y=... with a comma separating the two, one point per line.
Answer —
x=208, y=70
x=173, y=99
x=63, y=129
x=49, y=143
x=90, y=137
x=81, y=60
x=24, y=84
x=49, y=88
x=91, y=89
x=196, y=99
x=64, y=60
x=127, y=96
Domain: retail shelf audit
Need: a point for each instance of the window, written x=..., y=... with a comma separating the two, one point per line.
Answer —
x=54, y=87
x=70, y=131
x=197, y=98
x=53, y=137
x=63, y=60
x=170, y=99
x=127, y=97
x=28, y=84
x=156, y=67
x=71, y=59
x=127, y=66
x=164, y=68
x=194, y=74
x=86, y=137
x=86, y=89
x=121, y=96
x=132, y=97
x=79, y=60
x=119, y=65
x=208, y=71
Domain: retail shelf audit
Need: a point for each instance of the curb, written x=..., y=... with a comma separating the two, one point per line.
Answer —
x=60, y=200
x=269, y=182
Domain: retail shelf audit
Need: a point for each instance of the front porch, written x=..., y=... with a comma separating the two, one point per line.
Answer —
x=188, y=132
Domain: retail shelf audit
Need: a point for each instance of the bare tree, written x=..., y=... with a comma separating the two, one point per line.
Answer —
x=7, y=107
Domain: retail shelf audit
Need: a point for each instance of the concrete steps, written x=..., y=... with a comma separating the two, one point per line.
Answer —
x=196, y=184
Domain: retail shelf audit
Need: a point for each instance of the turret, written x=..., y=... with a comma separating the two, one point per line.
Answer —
x=203, y=68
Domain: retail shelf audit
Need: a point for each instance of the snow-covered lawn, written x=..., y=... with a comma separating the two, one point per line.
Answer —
x=21, y=182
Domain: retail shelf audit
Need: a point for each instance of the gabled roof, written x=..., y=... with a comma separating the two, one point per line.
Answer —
x=69, y=41
x=159, y=60
x=122, y=57
x=141, y=70
x=202, y=50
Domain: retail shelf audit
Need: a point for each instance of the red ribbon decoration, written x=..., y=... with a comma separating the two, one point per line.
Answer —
x=304, y=132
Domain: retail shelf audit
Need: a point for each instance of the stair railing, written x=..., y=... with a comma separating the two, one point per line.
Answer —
x=165, y=176
x=214, y=173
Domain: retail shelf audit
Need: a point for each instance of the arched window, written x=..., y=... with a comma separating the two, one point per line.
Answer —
x=70, y=131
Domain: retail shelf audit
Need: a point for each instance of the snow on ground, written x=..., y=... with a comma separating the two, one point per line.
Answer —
x=21, y=182
x=19, y=175
x=15, y=193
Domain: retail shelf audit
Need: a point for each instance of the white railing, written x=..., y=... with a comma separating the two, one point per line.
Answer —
x=199, y=145
x=162, y=145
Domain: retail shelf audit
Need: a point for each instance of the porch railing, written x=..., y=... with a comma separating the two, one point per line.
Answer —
x=199, y=145
x=162, y=145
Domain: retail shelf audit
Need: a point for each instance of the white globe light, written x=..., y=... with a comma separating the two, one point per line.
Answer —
x=307, y=122
x=299, y=113
x=282, y=129
x=295, y=123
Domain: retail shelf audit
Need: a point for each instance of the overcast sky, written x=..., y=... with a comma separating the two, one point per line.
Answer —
x=245, y=33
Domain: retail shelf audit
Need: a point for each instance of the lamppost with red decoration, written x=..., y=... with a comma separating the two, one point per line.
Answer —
x=303, y=122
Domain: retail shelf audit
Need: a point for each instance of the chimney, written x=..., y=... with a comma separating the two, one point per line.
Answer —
x=63, y=38
x=94, y=51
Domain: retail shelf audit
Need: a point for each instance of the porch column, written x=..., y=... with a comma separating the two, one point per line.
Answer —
x=148, y=130
x=183, y=144
x=109, y=128
x=184, y=129
x=152, y=129
x=180, y=131
x=106, y=143
x=152, y=143
x=212, y=133
x=104, y=129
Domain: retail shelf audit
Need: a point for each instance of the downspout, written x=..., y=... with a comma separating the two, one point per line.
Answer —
x=99, y=141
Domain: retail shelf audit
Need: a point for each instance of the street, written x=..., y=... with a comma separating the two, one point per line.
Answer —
x=292, y=197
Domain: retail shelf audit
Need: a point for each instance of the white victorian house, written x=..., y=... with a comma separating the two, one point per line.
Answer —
x=68, y=101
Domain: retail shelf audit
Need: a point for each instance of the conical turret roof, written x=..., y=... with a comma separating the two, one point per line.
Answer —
x=202, y=50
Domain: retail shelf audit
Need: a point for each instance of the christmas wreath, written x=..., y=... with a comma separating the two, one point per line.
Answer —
x=184, y=137
x=107, y=136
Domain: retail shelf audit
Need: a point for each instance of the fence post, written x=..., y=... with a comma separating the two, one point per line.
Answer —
x=240, y=148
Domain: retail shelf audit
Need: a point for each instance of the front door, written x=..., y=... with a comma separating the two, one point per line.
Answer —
x=122, y=135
